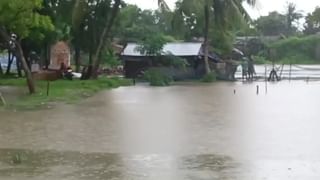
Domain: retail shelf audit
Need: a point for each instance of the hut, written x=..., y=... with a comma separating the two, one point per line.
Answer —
x=135, y=62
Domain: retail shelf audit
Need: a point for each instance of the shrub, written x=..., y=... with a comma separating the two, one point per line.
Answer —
x=298, y=49
x=211, y=77
x=157, y=78
x=261, y=60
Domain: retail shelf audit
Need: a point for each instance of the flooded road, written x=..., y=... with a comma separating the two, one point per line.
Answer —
x=183, y=132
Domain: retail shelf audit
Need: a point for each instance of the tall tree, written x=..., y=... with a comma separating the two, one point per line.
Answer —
x=163, y=5
x=293, y=16
x=312, y=24
x=272, y=24
x=20, y=17
x=84, y=11
x=217, y=14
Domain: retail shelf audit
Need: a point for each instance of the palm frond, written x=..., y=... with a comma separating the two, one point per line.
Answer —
x=163, y=5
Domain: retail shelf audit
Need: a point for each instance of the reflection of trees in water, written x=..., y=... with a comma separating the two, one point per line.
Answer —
x=62, y=165
x=215, y=166
x=96, y=166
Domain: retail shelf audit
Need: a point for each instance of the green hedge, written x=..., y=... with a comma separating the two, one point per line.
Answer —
x=297, y=49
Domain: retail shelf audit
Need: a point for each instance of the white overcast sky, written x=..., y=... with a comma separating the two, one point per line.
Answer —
x=263, y=7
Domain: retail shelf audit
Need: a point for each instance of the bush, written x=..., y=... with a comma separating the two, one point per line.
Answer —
x=157, y=78
x=211, y=77
x=260, y=60
x=297, y=59
x=299, y=49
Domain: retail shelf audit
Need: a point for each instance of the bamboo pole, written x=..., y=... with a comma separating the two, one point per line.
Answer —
x=265, y=79
x=290, y=71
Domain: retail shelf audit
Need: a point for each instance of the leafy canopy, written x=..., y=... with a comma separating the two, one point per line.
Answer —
x=21, y=16
x=312, y=25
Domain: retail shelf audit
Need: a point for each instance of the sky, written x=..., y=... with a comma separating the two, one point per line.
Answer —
x=263, y=7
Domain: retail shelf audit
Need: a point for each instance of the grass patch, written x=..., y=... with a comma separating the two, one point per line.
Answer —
x=60, y=91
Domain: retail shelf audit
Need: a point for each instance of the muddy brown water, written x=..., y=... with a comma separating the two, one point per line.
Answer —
x=183, y=132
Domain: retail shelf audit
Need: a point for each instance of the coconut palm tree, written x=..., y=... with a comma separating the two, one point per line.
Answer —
x=222, y=12
x=292, y=15
x=163, y=5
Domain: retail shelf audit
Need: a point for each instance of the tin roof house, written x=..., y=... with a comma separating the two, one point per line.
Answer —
x=135, y=62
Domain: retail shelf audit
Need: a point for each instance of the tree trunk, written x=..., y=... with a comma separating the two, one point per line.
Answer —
x=47, y=55
x=1, y=71
x=10, y=61
x=96, y=60
x=27, y=72
x=19, y=67
x=206, y=38
x=77, y=58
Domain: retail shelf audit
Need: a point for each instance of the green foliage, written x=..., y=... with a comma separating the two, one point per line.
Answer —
x=260, y=60
x=297, y=59
x=293, y=16
x=157, y=78
x=134, y=24
x=297, y=49
x=21, y=16
x=225, y=18
x=109, y=58
x=272, y=24
x=222, y=41
x=211, y=77
x=169, y=60
x=61, y=91
x=152, y=45
x=312, y=25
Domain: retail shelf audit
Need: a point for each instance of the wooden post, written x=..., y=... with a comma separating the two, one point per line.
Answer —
x=257, y=89
x=290, y=72
x=266, y=80
x=48, y=87
x=281, y=71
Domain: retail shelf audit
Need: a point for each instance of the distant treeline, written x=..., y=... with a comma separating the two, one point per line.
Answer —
x=304, y=49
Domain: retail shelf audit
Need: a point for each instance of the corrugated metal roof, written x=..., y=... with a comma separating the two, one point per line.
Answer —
x=177, y=49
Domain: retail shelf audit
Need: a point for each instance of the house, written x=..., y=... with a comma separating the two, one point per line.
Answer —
x=135, y=62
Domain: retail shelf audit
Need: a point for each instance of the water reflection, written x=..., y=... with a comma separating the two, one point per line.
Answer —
x=98, y=166
x=189, y=131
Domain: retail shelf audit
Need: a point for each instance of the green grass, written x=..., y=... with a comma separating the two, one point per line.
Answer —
x=61, y=91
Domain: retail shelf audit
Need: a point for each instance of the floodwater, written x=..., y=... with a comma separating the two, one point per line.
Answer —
x=188, y=131
x=296, y=72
